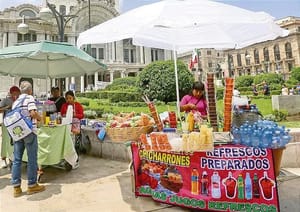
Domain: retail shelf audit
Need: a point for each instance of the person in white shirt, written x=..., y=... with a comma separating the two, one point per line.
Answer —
x=29, y=143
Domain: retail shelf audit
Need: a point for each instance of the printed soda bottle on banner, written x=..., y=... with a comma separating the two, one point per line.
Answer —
x=195, y=182
x=240, y=186
x=255, y=187
x=204, y=183
x=266, y=185
x=230, y=186
x=248, y=187
x=215, y=185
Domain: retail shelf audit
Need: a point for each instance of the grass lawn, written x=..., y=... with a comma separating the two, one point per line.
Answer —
x=263, y=105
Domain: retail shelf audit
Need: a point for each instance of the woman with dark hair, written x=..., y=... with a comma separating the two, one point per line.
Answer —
x=77, y=115
x=195, y=101
x=56, y=98
x=77, y=107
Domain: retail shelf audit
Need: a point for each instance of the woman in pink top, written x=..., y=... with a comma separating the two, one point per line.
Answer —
x=195, y=101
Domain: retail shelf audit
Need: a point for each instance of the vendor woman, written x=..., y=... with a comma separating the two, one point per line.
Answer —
x=195, y=101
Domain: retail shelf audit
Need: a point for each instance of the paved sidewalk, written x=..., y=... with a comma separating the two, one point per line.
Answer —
x=105, y=185
x=97, y=185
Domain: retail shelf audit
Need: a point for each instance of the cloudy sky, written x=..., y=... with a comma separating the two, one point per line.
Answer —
x=277, y=8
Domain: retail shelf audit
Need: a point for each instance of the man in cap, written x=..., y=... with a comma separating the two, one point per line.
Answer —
x=5, y=105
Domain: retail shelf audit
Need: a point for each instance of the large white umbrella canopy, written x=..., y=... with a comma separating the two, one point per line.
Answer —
x=186, y=24
x=182, y=25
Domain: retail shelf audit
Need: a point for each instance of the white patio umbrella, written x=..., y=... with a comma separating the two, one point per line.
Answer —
x=182, y=25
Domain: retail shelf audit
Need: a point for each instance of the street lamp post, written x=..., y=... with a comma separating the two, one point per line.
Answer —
x=61, y=19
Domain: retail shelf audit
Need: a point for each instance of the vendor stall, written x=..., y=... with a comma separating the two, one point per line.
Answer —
x=200, y=168
x=54, y=144
x=229, y=178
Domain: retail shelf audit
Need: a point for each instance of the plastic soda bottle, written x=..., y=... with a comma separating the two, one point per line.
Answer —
x=255, y=186
x=230, y=185
x=204, y=184
x=267, y=186
x=195, y=182
x=248, y=187
x=240, y=185
x=215, y=185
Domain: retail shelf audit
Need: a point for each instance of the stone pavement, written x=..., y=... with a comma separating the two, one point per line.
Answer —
x=97, y=185
x=105, y=185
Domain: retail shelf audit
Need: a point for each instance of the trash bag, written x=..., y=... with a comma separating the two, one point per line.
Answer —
x=82, y=144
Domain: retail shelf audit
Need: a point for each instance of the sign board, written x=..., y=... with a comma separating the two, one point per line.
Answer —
x=229, y=178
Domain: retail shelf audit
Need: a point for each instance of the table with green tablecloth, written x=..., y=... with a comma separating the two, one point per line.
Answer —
x=54, y=144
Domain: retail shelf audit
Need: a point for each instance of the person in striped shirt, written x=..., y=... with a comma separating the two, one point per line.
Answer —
x=29, y=143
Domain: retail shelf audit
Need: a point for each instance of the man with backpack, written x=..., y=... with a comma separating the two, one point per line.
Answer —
x=27, y=103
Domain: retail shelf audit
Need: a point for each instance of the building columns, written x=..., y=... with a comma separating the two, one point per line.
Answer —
x=81, y=84
x=67, y=83
x=53, y=82
x=95, y=79
x=111, y=75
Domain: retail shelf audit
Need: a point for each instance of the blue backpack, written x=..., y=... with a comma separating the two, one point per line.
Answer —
x=18, y=125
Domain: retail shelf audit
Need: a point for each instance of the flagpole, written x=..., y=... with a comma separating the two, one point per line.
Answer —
x=199, y=66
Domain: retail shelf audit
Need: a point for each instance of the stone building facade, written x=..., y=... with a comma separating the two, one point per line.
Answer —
x=124, y=59
x=275, y=56
x=121, y=57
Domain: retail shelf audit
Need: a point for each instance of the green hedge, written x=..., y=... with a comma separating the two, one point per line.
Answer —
x=113, y=96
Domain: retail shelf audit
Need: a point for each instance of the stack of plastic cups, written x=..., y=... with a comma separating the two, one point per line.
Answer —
x=211, y=97
x=228, y=103
x=172, y=119
x=155, y=116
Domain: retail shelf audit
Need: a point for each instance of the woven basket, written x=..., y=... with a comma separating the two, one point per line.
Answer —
x=127, y=133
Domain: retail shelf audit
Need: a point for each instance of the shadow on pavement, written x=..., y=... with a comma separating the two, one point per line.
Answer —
x=89, y=169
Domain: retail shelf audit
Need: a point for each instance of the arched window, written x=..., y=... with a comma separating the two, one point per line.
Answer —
x=27, y=13
x=266, y=54
x=256, y=56
x=239, y=59
x=129, y=51
x=288, y=50
x=62, y=9
x=247, y=58
x=276, y=53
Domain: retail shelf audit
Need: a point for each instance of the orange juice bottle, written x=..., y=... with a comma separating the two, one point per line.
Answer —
x=195, y=182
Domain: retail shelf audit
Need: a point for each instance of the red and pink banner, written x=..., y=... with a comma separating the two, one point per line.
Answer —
x=230, y=178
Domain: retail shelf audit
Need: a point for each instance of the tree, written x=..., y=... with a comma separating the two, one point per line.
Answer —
x=295, y=73
x=157, y=80
x=270, y=78
x=244, y=81
x=125, y=83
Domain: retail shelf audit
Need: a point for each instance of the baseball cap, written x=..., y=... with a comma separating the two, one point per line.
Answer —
x=14, y=89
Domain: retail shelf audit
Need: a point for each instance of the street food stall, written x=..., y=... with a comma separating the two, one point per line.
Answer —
x=55, y=141
x=54, y=144
x=200, y=168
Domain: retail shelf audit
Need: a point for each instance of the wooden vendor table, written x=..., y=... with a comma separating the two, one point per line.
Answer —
x=54, y=144
x=229, y=178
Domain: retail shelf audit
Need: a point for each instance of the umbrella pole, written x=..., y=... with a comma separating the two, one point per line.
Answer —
x=177, y=86
x=47, y=75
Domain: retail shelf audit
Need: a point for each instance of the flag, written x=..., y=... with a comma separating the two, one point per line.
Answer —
x=191, y=66
x=194, y=59
x=195, y=56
